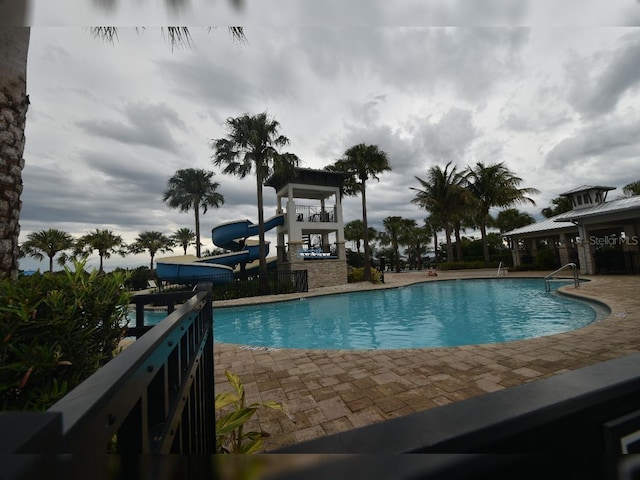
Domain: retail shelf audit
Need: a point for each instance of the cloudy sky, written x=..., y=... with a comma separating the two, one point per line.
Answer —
x=552, y=93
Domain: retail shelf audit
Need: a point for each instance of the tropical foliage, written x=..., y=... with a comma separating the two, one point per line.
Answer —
x=152, y=242
x=56, y=331
x=362, y=162
x=558, y=205
x=104, y=241
x=184, y=237
x=193, y=189
x=251, y=145
x=494, y=186
x=440, y=195
x=631, y=189
x=47, y=243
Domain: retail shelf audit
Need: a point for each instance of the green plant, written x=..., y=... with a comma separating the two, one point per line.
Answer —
x=233, y=415
x=55, y=331
x=357, y=275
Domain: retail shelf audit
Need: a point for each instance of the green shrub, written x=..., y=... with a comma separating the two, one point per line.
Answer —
x=56, y=330
x=357, y=275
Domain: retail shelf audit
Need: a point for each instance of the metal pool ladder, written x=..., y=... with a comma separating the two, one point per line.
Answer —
x=552, y=278
x=502, y=270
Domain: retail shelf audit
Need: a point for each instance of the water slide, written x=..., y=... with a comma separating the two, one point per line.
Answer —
x=218, y=268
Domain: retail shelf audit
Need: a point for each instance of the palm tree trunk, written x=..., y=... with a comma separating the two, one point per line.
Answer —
x=485, y=244
x=197, y=220
x=458, y=243
x=447, y=232
x=14, y=102
x=261, y=240
x=51, y=264
x=367, y=260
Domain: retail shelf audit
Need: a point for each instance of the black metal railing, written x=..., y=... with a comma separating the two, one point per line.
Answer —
x=155, y=397
x=249, y=284
x=306, y=213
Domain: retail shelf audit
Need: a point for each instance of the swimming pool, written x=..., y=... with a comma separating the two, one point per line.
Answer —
x=429, y=314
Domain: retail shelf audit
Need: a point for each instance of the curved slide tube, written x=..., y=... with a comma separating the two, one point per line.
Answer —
x=218, y=268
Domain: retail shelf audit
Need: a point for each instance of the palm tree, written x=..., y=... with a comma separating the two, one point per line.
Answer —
x=184, y=237
x=559, y=205
x=362, y=162
x=153, y=242
x=393, y=228
x=494, y=186
x=193, y=189
x=512, y=218
x=14, y=102
x=252, y=145
x=47, y=243
x=440, y=195
x=104, y=241
x=354, y=232
x=416, y=239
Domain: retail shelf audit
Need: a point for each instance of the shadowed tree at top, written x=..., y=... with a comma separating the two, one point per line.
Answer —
x=251, y=145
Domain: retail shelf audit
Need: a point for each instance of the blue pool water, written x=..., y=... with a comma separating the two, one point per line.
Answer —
x=430, y=314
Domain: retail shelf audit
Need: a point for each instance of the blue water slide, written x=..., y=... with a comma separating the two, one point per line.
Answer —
x=233, y=235
x=218, y=268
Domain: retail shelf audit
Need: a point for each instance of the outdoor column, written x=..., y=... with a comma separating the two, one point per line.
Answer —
x=563, y=251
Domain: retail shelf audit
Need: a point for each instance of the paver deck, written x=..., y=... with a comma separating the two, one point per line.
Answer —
x=330, y=391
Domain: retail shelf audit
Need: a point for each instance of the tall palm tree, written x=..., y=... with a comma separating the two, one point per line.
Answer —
x=193, y=189
x=104, y=241
x=393, y=228
x=440, y=194
x=362, y=162
x=184, y=237
x=14, y=102
x=47, y=243
x=494, y=186
x=153, y=242
x=252, y=144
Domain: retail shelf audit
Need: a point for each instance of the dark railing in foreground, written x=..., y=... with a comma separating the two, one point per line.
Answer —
x=248, y=284
x=155, y=397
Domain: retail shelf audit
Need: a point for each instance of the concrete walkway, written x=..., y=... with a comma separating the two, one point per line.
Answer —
x=330, y=391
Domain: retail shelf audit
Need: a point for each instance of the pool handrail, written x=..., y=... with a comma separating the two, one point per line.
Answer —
x=551, y=278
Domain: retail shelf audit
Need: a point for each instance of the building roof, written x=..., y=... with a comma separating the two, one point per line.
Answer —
x=606, y=208
x=585, y=188
x=548, y=224
x=309, y=176
x=566, y=219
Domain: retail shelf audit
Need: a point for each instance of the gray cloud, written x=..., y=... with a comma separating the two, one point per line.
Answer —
x=149, y=125
x=618, y=72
